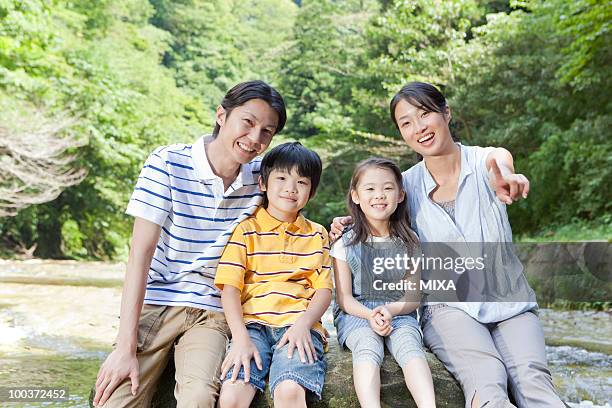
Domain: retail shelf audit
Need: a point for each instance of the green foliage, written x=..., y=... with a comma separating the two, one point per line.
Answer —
x=218, y=43
x=510, y=93
x=107, y=73
x=532, y=76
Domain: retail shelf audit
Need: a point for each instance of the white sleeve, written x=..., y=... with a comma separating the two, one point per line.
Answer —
x=338, y=250
x=152, y=199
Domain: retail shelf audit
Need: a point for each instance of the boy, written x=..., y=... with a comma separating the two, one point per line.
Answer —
x=276, y=283
x=186, y=203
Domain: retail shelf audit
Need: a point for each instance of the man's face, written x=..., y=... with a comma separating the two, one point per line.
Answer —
x=247, y=131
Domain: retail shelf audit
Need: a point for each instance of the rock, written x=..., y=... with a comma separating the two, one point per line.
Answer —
x=339, y=391
x=568, y=271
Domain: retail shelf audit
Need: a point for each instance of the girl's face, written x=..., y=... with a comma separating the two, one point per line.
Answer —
x=377, y=193
x=426, y=133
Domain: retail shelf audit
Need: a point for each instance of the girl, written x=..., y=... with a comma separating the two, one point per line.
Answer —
x=366, y=316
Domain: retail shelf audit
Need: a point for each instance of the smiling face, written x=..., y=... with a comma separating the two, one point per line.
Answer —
x=247, y=131
x=287, y=193
x=426, y=133
x=377, y=193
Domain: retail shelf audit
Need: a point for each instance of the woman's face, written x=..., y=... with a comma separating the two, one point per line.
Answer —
x=426, y=133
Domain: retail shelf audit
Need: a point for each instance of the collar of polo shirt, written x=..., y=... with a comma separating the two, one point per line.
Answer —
x=430, y=183
x=269, y=223
x=202, y=166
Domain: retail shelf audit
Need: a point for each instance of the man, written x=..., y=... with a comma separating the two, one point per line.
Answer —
x=186, y=203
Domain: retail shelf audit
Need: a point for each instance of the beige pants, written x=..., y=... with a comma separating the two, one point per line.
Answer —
x=485, y=358
x=199, y=338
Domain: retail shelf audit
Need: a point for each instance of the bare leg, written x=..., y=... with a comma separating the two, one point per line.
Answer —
x=366, y=377
x=289, y=394
x=418, y=380
x=236, y=395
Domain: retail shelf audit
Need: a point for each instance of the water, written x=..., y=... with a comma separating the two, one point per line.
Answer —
x=57, y=334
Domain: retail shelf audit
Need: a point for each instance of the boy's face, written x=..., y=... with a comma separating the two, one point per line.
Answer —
x=287, y=193
x=247, y=131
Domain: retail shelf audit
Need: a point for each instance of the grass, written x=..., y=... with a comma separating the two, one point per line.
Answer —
x=599, y=230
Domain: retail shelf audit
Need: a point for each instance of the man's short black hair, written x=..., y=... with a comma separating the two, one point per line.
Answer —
x=245, y=91
x=290, y=156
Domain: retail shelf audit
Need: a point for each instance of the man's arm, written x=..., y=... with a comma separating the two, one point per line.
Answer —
x=122, y=362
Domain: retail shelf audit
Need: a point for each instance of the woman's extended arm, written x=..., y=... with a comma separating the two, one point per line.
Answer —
x=508, y=185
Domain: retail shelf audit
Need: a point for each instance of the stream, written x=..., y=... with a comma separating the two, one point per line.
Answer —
x=58, y=320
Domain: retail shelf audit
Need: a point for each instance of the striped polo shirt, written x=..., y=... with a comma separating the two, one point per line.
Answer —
x=277, y=266
x=178, y=190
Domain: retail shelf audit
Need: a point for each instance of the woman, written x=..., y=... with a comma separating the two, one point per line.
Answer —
x=458, y=194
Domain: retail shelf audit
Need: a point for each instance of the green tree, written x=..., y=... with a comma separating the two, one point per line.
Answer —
x=536, y=81
x=101, y=62
x=218, y=43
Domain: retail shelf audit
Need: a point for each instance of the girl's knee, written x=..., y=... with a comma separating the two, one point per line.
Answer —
x=368, y=350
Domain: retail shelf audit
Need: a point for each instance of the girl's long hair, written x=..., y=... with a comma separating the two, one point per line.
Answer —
x=399, y=223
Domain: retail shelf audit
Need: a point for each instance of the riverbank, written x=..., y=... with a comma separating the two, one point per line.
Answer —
x=58, y=320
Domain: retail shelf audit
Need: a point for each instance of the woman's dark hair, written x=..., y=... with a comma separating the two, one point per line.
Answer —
x=424, y=96
x=399, y=223
x=289, y=156
x=245, y=91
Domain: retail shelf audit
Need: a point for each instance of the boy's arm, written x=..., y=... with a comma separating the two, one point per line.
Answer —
x=230, y=279
x=243, y=349
x=298, y=335
x=121, y=362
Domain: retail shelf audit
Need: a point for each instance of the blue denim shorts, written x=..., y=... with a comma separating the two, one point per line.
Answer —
x=278, y=366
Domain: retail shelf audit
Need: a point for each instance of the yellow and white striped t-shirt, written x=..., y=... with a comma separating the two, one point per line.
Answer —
x=278, y=266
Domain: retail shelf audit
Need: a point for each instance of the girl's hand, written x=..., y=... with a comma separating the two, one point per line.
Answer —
x=240, y=354
x=508, y=186
x=336, y=229
x=384, y=312
x=379, y=325
x=298, y=336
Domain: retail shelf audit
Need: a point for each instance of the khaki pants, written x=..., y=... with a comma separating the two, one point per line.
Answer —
x=199, y=338
x=485, y=358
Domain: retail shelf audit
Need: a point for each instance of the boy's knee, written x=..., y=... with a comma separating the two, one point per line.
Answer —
x=289, y=390
x=231, y=400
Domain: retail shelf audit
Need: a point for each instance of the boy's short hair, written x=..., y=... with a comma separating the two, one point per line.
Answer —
x=245, y=91
x=288, y=156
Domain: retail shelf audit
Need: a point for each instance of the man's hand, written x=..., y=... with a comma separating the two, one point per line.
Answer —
x=508, y=186
x=336, y=229
x=119, y=365
x=298, y=336
x=240, y=354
